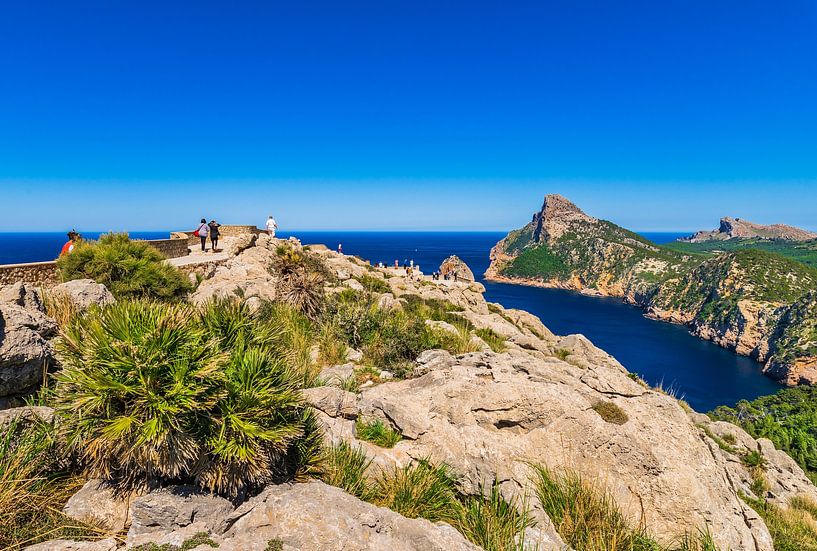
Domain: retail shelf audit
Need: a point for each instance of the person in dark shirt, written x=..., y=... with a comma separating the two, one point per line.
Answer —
x=214, y=233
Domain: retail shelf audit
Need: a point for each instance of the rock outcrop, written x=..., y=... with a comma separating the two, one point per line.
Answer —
x=25, y=350
x=453, y=266
x=83, y=293
x=731, y=228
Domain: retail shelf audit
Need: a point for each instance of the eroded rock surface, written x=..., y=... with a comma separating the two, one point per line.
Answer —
x=25, y=350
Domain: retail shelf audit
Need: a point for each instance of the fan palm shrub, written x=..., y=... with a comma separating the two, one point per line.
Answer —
x=156, y=391
x=127, y=268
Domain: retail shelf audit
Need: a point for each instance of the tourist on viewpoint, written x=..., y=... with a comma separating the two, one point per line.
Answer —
x=201, y=232
x=73, y=239
x=271, y=226
x=214, y=233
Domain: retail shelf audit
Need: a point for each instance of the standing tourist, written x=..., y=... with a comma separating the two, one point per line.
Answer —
x=201, y=233
x=340, y=248
x=214, y=232
x=73, y=239
x=271, y=226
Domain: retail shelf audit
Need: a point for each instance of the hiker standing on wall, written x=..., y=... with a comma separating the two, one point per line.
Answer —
x=202, y=233
x=271, y=226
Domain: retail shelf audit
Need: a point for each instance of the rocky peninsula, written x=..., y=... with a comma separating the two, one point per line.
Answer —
x=753, y=302
x=413, y=376
x=736, y=228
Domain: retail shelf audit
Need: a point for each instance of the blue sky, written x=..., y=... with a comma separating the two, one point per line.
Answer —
x=406, y=115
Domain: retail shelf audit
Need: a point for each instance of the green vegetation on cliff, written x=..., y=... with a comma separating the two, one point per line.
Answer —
x=801, y=251
x=787, y=418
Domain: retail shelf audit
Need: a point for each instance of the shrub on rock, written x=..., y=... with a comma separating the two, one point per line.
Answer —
x=153, y=391
x=129, y=269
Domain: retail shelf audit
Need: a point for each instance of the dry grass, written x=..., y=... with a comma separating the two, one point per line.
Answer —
x=610, y=412
x=60, y=307
x=34, y=488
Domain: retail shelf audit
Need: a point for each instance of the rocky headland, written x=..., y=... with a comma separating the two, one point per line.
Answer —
x=506, y=397
x=736, y=228
x=753, y=302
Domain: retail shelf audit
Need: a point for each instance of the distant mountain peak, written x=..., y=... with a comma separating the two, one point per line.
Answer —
x=730, y=228
x=557, y=211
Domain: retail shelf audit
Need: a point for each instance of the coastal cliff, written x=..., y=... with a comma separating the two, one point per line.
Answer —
x=753, y=302
x=417, y=378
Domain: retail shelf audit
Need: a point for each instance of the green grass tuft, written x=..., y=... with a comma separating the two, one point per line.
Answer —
x=377, y=433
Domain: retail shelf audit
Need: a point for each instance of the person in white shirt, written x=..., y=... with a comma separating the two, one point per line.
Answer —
x=271, y=226
x=202, y=233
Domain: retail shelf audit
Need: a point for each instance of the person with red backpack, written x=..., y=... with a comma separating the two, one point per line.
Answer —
x=202, y=232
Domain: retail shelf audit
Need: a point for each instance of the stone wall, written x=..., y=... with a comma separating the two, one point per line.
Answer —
x=38, y=273
x=45, y=273
x=171, y=248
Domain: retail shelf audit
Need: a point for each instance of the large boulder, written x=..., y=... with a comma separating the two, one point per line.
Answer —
x=176, y=508
x=455, y=266
x=316, y=516
x=84, y=293
x=99, y=504
x=25, y=351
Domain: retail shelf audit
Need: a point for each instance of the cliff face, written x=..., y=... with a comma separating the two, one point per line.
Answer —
x=731, y=228
x=753, y=302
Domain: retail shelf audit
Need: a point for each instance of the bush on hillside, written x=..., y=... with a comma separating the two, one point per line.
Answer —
x=787, y=418
x=129, y=269
x=153, y=391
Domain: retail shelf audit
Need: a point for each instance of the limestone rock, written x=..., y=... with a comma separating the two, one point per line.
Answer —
x=108, y=544
x=387, y=302
x=334, y=402
x=336, y=374
x=431, y=360
x=442, y=326
x=454, y=266
x=235, y=244
x=26, y=414
x=317, y=516
x=23, y=294
x=83, y=293
x=25, y=352
x=486, y=414
x=353, y=355
x=353, y=284
x=99, y=504
x=174, y=508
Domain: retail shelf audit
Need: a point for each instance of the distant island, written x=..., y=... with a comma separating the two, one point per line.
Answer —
x=758, y=300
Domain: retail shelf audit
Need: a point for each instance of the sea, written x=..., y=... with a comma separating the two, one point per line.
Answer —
x=703, y=374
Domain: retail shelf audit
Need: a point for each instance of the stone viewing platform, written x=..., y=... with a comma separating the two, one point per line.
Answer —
x=176, y=248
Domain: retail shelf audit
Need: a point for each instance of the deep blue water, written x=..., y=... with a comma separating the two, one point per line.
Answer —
x=19, y=247
x=701, y=372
